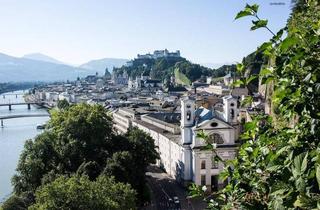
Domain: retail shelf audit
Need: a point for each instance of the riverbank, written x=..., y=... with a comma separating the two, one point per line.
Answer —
x=13, y=136
x=9, y=87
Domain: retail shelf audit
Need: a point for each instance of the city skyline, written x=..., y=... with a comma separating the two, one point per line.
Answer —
x=78, y=31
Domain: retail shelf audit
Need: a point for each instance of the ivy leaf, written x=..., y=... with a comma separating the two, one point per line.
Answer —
x=252, y=77
x=265, y=46
x=307, y=78
x=300, y=164
x=265, y=72
x=243, y=13
x=304, y=163
x=267, y=80
x=259, y=24
x=278, y=35
x=253, y=7
x=288, y=42
x=240, y=67
x=250, y=126
x=300, y=184
x=237, y=83
x=249, y=10
x=318, y=175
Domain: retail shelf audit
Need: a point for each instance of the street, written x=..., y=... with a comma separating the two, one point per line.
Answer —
x=167, y=194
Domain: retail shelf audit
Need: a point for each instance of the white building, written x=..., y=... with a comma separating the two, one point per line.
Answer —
x=121, y=79
x=181, y=152
x=159, y=54
x=144, y=82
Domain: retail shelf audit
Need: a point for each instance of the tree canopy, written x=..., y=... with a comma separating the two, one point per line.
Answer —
x=163, y=68
x=78, y=192
x=80, y=141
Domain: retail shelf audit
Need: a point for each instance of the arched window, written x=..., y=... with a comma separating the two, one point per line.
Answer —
x=188, y=115
x=232, y=113
x=203, y=164
x=214, y=163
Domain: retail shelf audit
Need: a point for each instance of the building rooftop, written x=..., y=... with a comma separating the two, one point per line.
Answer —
x=172, y=137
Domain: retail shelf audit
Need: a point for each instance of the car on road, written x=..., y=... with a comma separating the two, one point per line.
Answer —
x=176, y=200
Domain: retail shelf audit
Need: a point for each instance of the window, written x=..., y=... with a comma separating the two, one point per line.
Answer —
x=215, y=138
x=232, y=113
x=214, y=163
x=203, y=179
x=188, y=115
x=214, y=124
x=203, y=164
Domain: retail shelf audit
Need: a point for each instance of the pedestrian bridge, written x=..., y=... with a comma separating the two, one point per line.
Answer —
x=20, y=103
x=21, y=116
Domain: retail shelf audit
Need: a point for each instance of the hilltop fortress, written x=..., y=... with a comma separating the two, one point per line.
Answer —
x=160, y=54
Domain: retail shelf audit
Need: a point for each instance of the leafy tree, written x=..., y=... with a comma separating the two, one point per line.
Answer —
x=192, y=71
x=80, y=140
x=14, y=203
x=278, y=165
x=163, y=68
x=223, y=70
x=120, y=164
x=37, y=159
x=142, y=142
x=63, y=104
x=78, y=192
x=81, y=133
x=74, y=137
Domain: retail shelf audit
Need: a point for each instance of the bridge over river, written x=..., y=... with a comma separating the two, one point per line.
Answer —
x=21, y=103
x=22, y=115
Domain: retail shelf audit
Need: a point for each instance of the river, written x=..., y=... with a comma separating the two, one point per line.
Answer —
x=13, y=135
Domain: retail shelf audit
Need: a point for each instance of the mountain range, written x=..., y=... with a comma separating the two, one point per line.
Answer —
x=42, y=57
x=40, y=67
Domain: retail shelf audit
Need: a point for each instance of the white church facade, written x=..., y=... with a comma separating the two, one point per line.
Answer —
x=182, y=153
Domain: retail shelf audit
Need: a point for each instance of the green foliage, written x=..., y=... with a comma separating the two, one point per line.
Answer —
x=78, y=192
x=14, y=203
x=277, y=166
x=63, y=104
x=193, y=72
x=163, y=68
x=80, y=140
x=181, y=78
x=223, y=70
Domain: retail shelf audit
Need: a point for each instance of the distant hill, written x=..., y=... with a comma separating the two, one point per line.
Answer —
x=42, y=57
x=13, y=69
x=163, y=68
x=216, y=65
x=100, y=65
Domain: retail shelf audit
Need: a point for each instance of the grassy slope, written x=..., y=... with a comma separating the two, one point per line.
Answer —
x=181, y=78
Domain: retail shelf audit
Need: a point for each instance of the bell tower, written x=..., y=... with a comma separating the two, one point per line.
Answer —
x=187, y=119
x=187, y=122
x=230, y=109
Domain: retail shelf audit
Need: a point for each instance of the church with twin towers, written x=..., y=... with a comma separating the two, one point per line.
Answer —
x=182, y=153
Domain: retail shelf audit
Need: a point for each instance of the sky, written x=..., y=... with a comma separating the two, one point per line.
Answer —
x=76, y=31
